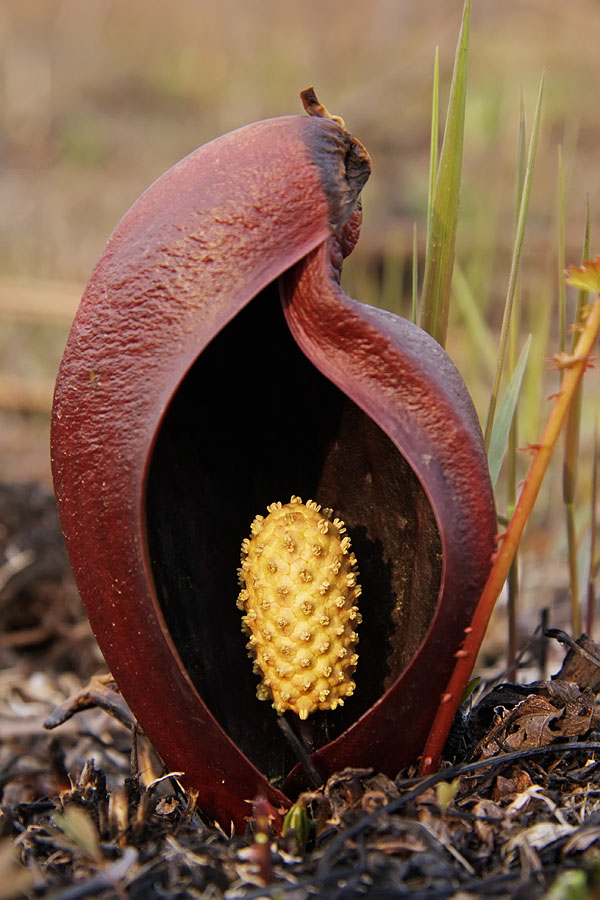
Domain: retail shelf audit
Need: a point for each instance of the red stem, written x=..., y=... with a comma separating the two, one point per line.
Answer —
x=474, y=634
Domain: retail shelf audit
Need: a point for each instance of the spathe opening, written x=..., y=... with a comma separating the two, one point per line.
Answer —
x=254, y=421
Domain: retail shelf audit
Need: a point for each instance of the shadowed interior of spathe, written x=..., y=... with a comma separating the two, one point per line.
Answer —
x=254, y=422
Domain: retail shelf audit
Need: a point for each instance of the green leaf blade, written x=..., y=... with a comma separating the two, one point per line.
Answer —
x=505, y=415
x=441, y=238
x=515, y=263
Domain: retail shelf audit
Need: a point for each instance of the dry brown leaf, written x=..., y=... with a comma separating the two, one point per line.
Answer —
x=484, y=829
x=404, y=843
x=582, y=839
x=505, y=788
x=537, y=836
x=536, y=724
x=580, y=668
x=346, y=790
x=534, y=791
x=561, y=711
x=373, y=800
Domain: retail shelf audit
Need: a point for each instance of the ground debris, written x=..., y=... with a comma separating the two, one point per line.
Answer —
x=556, y=710
x=90, y=811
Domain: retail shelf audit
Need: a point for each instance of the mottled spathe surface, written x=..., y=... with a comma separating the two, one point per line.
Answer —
x=299, y=591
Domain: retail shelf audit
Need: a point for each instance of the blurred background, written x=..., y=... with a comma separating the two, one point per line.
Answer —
x=99, y=97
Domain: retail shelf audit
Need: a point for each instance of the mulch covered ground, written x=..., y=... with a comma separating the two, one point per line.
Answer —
x=86, y=809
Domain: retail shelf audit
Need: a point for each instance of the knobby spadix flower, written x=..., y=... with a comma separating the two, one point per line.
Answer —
x=300, y=587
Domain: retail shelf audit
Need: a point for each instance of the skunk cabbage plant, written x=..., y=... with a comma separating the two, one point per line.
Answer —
x=215, y=365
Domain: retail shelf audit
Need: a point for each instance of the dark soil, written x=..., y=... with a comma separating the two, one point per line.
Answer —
x=87, y=811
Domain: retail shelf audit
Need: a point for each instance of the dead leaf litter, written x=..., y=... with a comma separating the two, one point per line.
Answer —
x=88, y=809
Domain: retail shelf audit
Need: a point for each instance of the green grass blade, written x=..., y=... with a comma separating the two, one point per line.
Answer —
x=513, y=581
x=538, y=320
x=434, y=140
x=571, y=453
x=392, y=276
x=515, y=319
x=584, y=561
x=477, y=328
x=521, y=154
x=583, y=295
x=573, y=566
x=591, y=593
x=439, y=255
x=414, y=310
x=560, y=257
x=506, y=411
x=516, y=259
